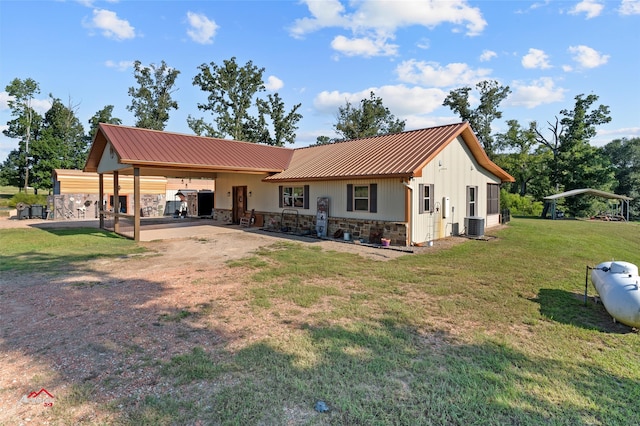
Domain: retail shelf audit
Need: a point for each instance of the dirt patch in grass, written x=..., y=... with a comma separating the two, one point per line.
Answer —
x=97, y=338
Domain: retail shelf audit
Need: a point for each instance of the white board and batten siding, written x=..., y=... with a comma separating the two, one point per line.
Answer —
x=389, y=195
x=451, y=172
x=265, y=196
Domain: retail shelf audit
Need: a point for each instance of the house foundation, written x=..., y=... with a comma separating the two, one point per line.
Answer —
x=369, y=231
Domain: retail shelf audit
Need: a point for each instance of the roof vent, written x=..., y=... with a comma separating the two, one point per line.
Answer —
x=474, y=226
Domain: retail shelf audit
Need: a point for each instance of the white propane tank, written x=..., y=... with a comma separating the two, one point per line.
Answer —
x=445, y=207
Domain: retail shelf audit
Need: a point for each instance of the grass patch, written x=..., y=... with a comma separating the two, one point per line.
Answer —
x=160, y=411
x=50, y=250
x=196, y=365
x=6, y=193
x=486, y=332
x=176, y=317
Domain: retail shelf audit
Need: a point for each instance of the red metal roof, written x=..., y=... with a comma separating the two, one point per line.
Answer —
x=394, y=155
x=399, y=154
x=144, y=147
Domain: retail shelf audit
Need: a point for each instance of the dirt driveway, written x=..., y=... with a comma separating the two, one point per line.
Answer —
x=86, y=334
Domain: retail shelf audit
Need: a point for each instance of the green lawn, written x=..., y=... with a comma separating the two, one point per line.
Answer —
x=55, y=250
x=485, y=333
x=6, y=192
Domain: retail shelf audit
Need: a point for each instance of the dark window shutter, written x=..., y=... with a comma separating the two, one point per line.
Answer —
x=306, y=196
x=421, y=198
x=432, y=198
x=349, y=197
x=373, y=198
x=280, y=195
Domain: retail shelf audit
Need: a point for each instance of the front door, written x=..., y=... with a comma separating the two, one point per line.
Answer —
x=239, y=202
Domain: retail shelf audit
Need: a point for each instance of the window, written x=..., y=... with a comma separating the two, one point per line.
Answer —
x=427, y=199
x=472, y=200
x=294, y=197
x=493, y=198
x=362, y=198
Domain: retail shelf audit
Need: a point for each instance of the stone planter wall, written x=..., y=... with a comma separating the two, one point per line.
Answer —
x=370, y=231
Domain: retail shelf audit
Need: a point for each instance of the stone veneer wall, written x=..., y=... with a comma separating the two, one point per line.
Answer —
x=69, y=206
x=370, y=231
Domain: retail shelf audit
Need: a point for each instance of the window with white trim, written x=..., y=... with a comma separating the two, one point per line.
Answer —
x=427, y=200
x=362, y=198
x=472, y=200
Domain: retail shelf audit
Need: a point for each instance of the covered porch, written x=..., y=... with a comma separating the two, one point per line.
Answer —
x=120, y=150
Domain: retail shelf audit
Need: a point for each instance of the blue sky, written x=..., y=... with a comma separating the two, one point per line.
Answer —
x=324, y=53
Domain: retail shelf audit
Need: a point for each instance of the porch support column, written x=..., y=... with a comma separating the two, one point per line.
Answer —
x=101, y=199
x=408, y=216
x=136, y=203
x=116, y=202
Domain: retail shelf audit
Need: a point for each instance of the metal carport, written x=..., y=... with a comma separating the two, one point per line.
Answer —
x=552, y=199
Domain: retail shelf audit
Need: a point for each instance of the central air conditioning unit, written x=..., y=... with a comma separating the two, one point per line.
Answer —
x=474, y=226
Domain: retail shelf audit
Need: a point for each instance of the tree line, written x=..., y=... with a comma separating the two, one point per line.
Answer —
x=58, y=139
x=544, y=159
x=556, y=156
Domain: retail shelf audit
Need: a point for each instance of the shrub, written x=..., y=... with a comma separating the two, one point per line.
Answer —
x=519, y=205
x=30, y=199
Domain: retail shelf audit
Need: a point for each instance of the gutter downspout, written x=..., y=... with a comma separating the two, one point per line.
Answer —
x=408, y=210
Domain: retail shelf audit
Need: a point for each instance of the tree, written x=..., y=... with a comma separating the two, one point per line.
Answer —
x=480, y=118
x=624, y=155
x=323, y=140
x=575, y=163
x=284, y=124
x=231, y=92
x=151, y=101
x=201, y=127
x=520, y=160
x=553, y=145
x=26, y=121
x=12, y=169
x=105, y=115
x=372, y=118
x=61, y=144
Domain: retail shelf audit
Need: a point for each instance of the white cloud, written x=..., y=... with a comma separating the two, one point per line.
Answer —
x=591, y=8
x=110, y=25
x=383, y=18
x=4, y=101
x=273, y=83
x=424, y=43
x=605, y=136
x=630, y=7
x=401, y=100
x=40, y=106
x=433, y=74
x=366, y=47
x=201, y=29
x=539, y=92
x=487, y=55
x=325, y=14
x=120, y=65
x=587, y=57
x=536, y=58
x=413, y=122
